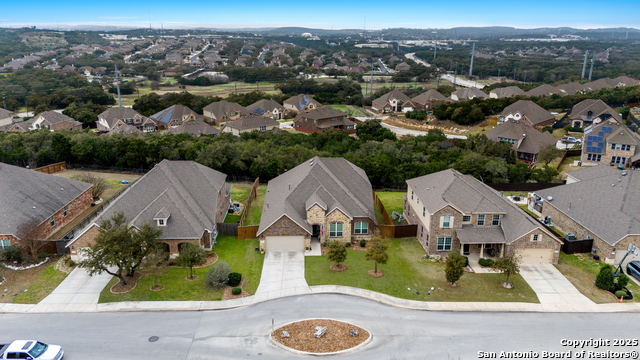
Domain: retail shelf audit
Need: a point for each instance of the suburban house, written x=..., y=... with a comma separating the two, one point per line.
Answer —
x=542, y=90
x=321, y=119
x=527, y=112
x=112, y=117
x=174, y=116
x=506, y=92
x=250, y=123
x=124, y=129
x=526, y=140
x=38, y=201
x=468, y=94
x=600, y=203
x=321, y=199
x=403, y=67
x=393, y=101
x=428, y=100
x=456, y=212
x=591, y=111
x=610, y=142
x=300, y=103
x=222, y=111
x=196, y=128
x=6, y=117
x=569, y=89
x=269, y=108
x=184, y=199
x=48, y=120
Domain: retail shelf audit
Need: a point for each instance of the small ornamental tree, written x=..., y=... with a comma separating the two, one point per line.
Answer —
x=218, y=275
x=154, y=263
x=508, y=265
x=377, y=252
x=191, y=255
x=604, y=280
x=454, y=268
x=337, y=253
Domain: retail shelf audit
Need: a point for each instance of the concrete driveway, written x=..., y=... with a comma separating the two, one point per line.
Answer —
x=552, y=288
x=282, y=275
x=78, y=292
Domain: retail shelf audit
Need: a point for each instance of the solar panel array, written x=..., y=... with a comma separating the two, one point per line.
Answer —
x=607, y=129
x=259, y=111
x=596, y=143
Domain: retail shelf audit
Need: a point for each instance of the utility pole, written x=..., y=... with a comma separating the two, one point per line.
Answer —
x=435, y=48
x=514, y=74
x=371, y=79
x=584, y=64
x=473, y=51
x=525, y=76
x=593, y=58
x=455, y=75
x=4, y=105
x=118, y=86
x=498, y=74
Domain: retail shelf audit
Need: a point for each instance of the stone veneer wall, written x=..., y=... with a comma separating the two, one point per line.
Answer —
x=436, y=231
x=338, y=216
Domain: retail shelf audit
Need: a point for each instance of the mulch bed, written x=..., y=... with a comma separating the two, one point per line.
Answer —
x=132, y=282
x=338, y=268
x=160, y=287
x=189, y=278
x=227, y=295
x=375, y=274
x=337, y=337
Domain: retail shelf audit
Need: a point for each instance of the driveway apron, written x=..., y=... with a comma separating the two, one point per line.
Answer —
x=282, y=275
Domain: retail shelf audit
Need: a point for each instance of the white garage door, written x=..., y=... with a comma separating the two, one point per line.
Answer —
x=620, y=255
x=284, y=243
x=536, y=256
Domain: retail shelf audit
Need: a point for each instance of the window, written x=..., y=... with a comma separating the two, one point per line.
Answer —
x=411, y=195
x=421, y=231
x=620, y=147
x=64, y=211
x=535, y=237
x=446, y=222
x=444, y=244
x=335, y=229
x=362, y=227
x=161, y=222
x=510, y=141
x=480, y=220
x=52, y=221
x=424, y=211
x=466, y=219
x=496, y=220
x=618, y=160
x=594, y=157
x=263, y=128
x=5, y=244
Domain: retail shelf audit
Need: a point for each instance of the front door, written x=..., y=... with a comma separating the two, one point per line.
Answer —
x=316, y=230
x=465, y=249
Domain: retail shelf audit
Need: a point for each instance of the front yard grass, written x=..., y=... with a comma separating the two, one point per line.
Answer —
x=240, y=254
x=582, y=272
x=406, y=270
x=41, y=286
x=255, y=210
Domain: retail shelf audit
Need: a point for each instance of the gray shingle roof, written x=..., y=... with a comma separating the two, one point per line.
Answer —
x=175, y=112
x=251, y=122
x=197, y=127
x=528, y=139
x=597, y=107
x=467, y=194
x=124, y=129
x=113, y=114
x=326, y=112
x=261, y=106
x=527, y=108
x=300, y=102
x=394, y=94
x=542, y=90
x=5, y=113
x=569, y=89
x=185, y=189
x=508, y=91
x=429, y=95
x=221, y=108
x=29, y=194
x=604, y=201
x=332, y=182
x=470, y=93
x=55, y=117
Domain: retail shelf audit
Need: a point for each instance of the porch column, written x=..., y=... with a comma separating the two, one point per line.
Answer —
x=461, y=249
x=481, y=251
x=502, y=250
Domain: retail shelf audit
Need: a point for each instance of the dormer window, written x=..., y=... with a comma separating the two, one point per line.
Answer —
x=162, y=217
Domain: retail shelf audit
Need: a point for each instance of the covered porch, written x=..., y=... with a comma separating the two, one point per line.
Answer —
x=481, y=242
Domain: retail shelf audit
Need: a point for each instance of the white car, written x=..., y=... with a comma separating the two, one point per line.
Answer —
x=31, y=350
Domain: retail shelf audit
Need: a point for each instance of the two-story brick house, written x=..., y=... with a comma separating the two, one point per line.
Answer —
x=394, y=101
x=47, y=120
x=219, y=112
x=592, y=111
x=268, y=108
x=322, y=199
x=610, y=142
x=456, y=212
x=174, y=116
x=116, y=116
x=526, y=140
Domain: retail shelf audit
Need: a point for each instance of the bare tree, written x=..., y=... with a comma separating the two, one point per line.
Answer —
x=99, y=183
x=28, y=239
x=155, y=263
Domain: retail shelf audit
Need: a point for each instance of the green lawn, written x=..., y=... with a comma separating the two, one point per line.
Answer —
x=406, y=269
x=392, y=200
x=581, y=271
x=255, y=210
x=240, y=192
x=42, y=286
x=240, y=254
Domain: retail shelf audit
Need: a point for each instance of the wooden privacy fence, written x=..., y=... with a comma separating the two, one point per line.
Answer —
x=566, y=154
x=252, y=195
x=381, y=208
x=247, y=232
x=397, y=231
x=53, y=168
x=228, y=229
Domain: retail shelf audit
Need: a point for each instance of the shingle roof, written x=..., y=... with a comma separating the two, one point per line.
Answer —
x=55, y=117
x=197, y=127
x=604, y=202
x=542, y=90
x=113, y=114
x=467, y=194
x=261, y=106
x=185, y=189
x=221, y=108
x=5, y=113
x=508, y=91
x=175, y=112
x=300, y=102
x=393, y=94
x=569, y=89
x=124, y=129
x=527, y=108
x=326, y=112
x=470, y=93
x=429, y=95
x=333, y=182
x=29, y=194
x=528, y=139
x=251, y=122
x=597, y=107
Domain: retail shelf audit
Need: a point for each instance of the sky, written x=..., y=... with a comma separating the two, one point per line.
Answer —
x=327, y=14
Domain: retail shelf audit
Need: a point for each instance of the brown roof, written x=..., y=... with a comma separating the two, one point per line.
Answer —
x=542, y=90
x=55, y=118
x=322, y=113
x=427, y=96
x=527, y=108
x=113, y=114
x=220, y=108
x=527, y=139
x=470, y=93
x=300, y=102
x=394, y=94
x=197, y=127
x=591, y=108
x=251, y=122
x=508, y=91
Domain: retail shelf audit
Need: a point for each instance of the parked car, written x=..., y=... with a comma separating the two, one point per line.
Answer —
x=31, y=349
x=633, y=269
x=571, y=140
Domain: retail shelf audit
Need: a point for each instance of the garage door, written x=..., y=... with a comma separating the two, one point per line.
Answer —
x=284, y=243
x=536, y=256
x=620, y=255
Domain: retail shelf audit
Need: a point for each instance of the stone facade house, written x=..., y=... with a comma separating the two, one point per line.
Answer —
x=115, y=116
x=600, y=203
x=610, y=142
x=393, y=101
x=528, y=112
x=43, y=202
x=6, y=117
x=250, y=123
x=428, y=100
x=220, y=112
x=174, y=116
x=526, y=140
x=184, y=199
x=301, y=102
x=320, y=200
x=592, y=111
x=268, y=108
x=456, y=212
x=322, y=119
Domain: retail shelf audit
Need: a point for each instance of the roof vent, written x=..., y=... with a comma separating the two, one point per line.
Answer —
x=613, y=185
x=61, y=189
x=550, y=198
x=524, y=135
x=624, y=173
x=311, y=162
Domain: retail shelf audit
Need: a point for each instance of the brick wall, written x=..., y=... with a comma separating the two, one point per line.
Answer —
x=609, y=153
x=367, y=236
x=81, y=203
x=435, y=231
x=223, y=204
x=284, y=227
x=83, y=241
x=544, y=242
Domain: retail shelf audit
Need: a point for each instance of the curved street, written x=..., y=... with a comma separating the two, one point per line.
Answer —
x=242, y=332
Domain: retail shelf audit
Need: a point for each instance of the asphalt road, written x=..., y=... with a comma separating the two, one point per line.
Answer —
x=242, y=333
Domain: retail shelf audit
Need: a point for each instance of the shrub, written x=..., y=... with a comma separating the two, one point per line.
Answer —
x=604, y=280
x=347, y=244
x=336, y=252
x=235, y=279
x=621, y=293
x=466, y=261
x=363, y=243
x=236, y=290
x=70, y=262
x=622, y=281
x=485, y=262
x=12, y=254
x=454, y=268
x=218, y=275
